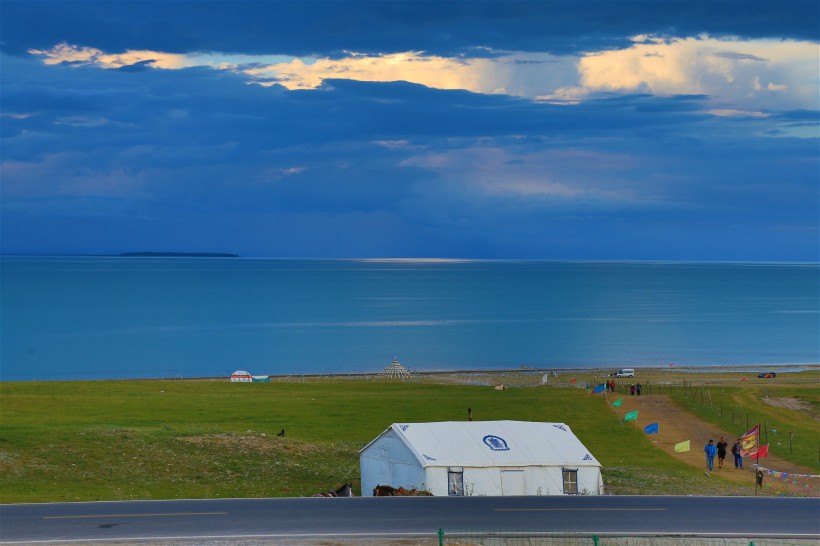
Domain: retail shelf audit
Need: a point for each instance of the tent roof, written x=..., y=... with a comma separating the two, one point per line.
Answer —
x=492, y=443
x=241, y=372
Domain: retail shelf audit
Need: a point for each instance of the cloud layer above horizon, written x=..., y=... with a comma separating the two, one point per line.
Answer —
x=674, y=135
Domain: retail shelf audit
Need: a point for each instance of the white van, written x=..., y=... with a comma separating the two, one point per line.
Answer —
x=626, y=372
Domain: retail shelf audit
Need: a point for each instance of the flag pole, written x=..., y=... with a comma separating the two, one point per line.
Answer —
x=758, y=473
x=616, y=411
x=757, y=452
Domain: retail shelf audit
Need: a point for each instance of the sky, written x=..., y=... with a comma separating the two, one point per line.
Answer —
x=579, y=130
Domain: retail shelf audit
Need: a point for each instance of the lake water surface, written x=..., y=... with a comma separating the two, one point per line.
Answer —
x=117, y=317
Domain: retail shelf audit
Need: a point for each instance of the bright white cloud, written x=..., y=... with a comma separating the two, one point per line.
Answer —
x=735, y=74
x=744, y=73
x=515, y=74
x=66, y=53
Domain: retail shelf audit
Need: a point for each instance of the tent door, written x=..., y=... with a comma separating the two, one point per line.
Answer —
x=512, y=482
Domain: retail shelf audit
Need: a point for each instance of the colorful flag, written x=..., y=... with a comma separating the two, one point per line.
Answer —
x=598, y=388
x=651, y=429
x=617, y=403
x=763, y=451
x=631, y=416
x=682, y=447
x=749, y=442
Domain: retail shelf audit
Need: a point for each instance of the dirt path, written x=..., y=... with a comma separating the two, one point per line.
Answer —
x=677, y=425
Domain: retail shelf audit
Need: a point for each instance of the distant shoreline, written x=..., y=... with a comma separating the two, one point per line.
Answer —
x=596, y=371
x=178, y=255
x=636, y=261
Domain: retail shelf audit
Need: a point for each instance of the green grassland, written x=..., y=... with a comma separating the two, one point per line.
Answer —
x=736, y=409
x=121, y=440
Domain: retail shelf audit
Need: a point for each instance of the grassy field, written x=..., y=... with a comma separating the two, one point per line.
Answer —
x=112, y=440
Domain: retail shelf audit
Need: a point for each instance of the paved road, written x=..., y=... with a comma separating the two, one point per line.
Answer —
x=396, y=517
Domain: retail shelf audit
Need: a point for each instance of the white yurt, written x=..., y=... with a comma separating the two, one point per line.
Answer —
x=241, y=376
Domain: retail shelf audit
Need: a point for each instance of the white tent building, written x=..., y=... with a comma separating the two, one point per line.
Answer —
x=241, y=376
x=481, y=458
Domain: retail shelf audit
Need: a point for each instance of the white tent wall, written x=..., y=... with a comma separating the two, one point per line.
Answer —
x=590, y=481
x=436, y=480
x=388, y=461
x=534, y=480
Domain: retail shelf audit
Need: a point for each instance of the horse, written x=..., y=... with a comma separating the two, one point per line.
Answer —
x=388, y=491
x=346, y=490
x=384, y=491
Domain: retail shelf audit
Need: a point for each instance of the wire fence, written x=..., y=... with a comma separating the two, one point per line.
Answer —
x=449, y=537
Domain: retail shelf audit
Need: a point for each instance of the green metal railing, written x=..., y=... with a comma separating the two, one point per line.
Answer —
x=449, y=537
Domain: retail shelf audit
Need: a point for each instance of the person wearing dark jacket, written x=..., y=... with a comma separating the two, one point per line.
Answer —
x=736, y=451
x=721, y=451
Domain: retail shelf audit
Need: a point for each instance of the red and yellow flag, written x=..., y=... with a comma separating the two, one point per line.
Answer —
x=750, y=442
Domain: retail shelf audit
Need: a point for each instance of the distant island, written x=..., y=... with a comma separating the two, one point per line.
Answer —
x=179, y=255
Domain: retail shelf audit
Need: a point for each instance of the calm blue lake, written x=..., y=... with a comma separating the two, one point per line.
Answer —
x=101, y=318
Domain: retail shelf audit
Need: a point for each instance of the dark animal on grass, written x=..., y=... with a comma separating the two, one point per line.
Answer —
x=346, y=490
x=282, y=434
x=388, y=491
x=402, y=492
x=384, y=491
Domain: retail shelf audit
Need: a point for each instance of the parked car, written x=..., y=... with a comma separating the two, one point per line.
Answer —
x=626, y=372
x=767, y=375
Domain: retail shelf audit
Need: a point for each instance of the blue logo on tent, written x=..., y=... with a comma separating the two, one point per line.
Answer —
x=495, y=443
x=587, y=457
x=428, y=457
x=404, y=427
x=561, y=427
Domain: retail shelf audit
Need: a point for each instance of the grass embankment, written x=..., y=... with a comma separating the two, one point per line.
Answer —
x=107, y=440
x=787, y=414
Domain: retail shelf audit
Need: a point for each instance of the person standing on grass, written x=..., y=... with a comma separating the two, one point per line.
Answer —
x=721, y=451
x=638, y=389
x=710, y=450
x=632, y=389
x=738, y=456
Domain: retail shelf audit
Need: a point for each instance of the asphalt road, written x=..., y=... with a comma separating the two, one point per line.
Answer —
x=407, y=517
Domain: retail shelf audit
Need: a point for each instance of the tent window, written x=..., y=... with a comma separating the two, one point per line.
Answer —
x=570, y=481
x=455, y=481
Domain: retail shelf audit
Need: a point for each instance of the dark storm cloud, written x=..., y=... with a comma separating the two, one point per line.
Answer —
x=143, y=150
x=446, y=28
x=101, y=160
x=174, y=110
